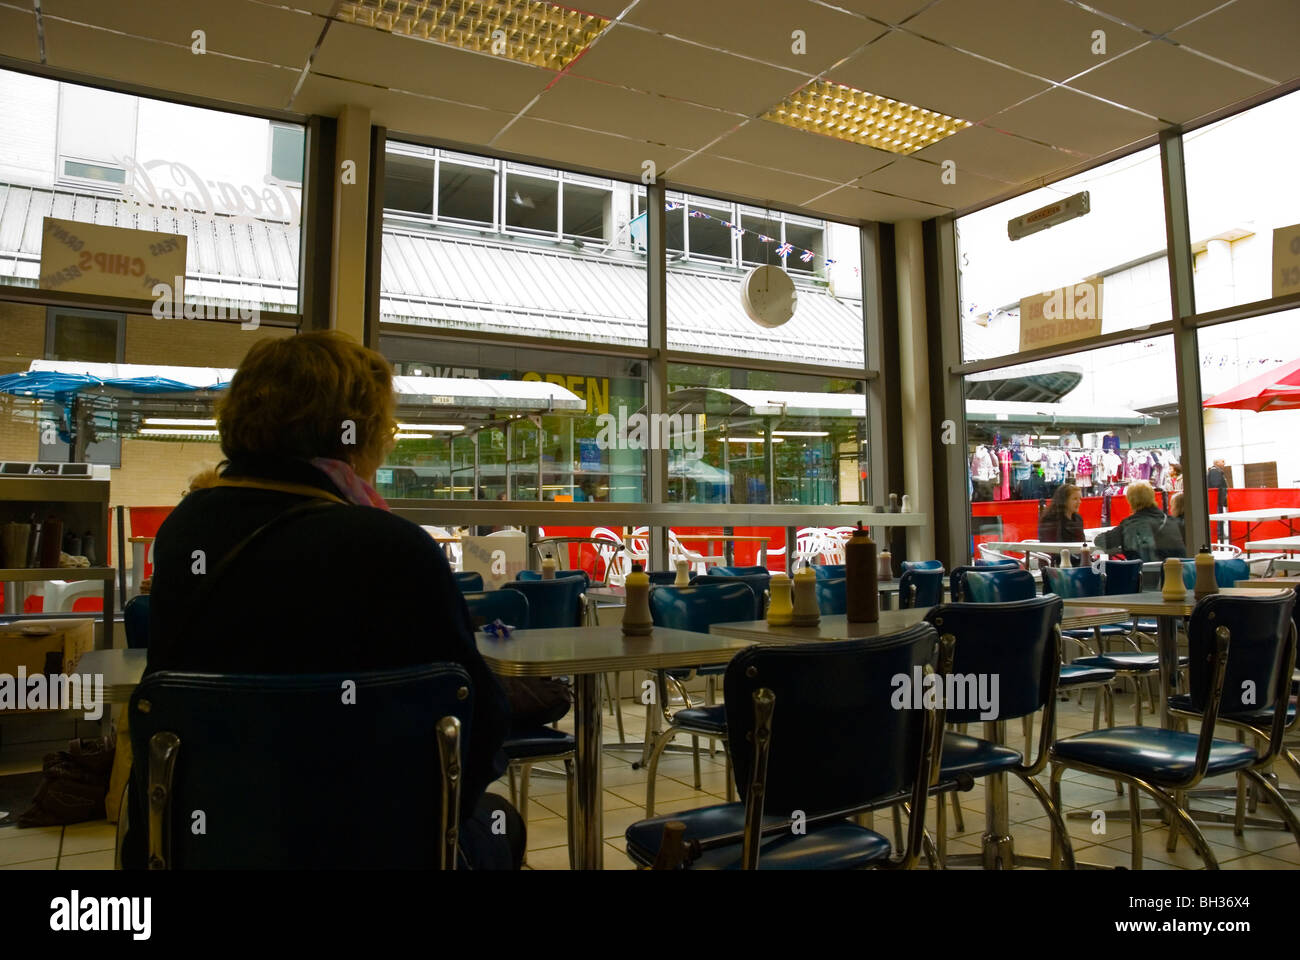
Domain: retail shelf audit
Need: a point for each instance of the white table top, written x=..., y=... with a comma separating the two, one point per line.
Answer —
x=1258, y=516
x=564, y=651
x=121, y=670
x=1277, y=543
x=1032, y=545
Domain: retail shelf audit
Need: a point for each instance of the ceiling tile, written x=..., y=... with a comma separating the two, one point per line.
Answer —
x=568, y=146
x=1062, y=33
x=890, y=11
x=165, y=68
x=645, y=116
x=322, y=7
x=373, y=56
x=1073, y=121
x=918, y=180
x=647, y=61
x=926, y=74
x=1158, y=16
x=761, y=28
x=1270, y=50
x=718, y=174
x=237, y=27
x=609, y=9
x=18, y=34
x=402, y=112
x=1000, y=156
x=1169, y=83
x=775, y=145
x=859, y=204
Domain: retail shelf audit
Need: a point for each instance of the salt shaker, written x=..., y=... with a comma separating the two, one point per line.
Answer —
x=907, y=503
x=683, y=574
x=637, y=621
x=780, y=611
x=548, y=568
x=806, y=612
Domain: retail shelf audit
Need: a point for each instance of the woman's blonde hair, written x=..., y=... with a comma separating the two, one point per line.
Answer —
x=1140, y=495
x=318, y=394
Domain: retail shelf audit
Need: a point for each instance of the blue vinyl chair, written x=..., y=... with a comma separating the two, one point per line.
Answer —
x=957, y=578
x=286, y=776
x=468, y=580
x=737, y=571
x=922, y=565
x=135, y=620
x=536, y=575
x=561, y=602
x=812, y=729
x=1136, y=665
x=1232, y=640
x=662, y=578
x=832, y=597
x=694, y=608
x=999, y=586
x=1226, y=572
x=1019, y=643
x=525, y=743
x=829, y=571
x=758, y=583
x=920, y=589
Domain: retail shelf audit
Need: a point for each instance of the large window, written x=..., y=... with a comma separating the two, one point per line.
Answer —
x=1241, y=198
x=231, y=185
x=1110, y=263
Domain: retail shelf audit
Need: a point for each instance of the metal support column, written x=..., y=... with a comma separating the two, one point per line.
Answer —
x=1186, y=352
x=951, y=513
x=657, y=366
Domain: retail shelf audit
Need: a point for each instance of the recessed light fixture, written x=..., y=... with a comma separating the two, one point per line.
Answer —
x=834, y=110
x=748, y=440
x=176, y=432
x=177, y=422
x=413, y=436
x=442, y=427
x=526, y=31
x=801, y=433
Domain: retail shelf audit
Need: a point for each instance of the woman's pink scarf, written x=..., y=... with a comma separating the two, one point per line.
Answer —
x=350, y=485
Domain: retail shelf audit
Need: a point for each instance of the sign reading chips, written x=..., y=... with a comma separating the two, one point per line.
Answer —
x=109, y=261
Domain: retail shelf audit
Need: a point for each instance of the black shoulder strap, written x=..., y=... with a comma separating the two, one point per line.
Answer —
x=225, y=563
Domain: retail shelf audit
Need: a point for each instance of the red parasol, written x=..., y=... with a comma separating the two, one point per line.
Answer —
x=1276, y=389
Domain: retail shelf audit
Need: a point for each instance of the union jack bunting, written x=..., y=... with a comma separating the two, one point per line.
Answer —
x=766, y=239
x=829, y=262
x=673, y=205
x=700, y=213
x=784, y=250
x=806, y=256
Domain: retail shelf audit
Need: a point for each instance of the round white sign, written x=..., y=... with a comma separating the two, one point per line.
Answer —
x=768, y=296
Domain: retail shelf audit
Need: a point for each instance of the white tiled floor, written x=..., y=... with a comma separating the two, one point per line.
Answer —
x=89, y=846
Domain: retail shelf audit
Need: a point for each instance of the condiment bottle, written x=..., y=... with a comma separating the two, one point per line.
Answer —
x=548, y=568
x=806, y=612
x=1206, y=583
x=893, y=503
x=780, y=610
x=1066, y=560
x=885, y=565
x=862, y=589
x=907, y=503
x=636, y=615
x=683, y=574
x=51, y=542
x=1174, y=588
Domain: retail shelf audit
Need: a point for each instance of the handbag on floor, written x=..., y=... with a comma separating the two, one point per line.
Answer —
x=542, y=700
x=74, y=784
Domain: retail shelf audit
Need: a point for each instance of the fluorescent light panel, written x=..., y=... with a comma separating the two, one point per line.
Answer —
x=442, y=427
x=749, y=440
x=801, y=433
x=176, y=432
x=542, y=34
x=178, y=422
x=846, y=113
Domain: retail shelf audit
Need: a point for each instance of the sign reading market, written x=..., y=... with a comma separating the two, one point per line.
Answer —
x=1061, y=316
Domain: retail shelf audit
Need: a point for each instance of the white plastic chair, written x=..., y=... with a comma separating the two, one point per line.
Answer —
x=60, y=595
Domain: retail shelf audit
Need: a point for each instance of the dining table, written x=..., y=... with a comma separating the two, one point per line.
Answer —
x=584, y=653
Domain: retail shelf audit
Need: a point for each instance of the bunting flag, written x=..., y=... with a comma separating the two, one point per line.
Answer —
x=783, y=251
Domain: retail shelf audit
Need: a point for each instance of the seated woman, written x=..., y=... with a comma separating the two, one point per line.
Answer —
x=1146, y=533
x=349, y=587
x=1176, y=515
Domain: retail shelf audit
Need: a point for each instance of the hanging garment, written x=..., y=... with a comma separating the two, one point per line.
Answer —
x=1004, y=459
x=1110, y=443
x=982, y=466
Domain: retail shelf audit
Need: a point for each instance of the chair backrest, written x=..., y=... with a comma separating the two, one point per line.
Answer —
x=135, y=620
x=1122, y=576
x=920, y=588
x=469, y=580
x=999, y=586
x=559, y=575
x=758, y=584
x=832, y=596
x=1226, y=572
x=508, y=606
x=285, y=767
x=662, y=577
x=922, y=565
x=1072, y=581
x=838, y=739
x=701, y=605
x=1006, y=661
x=957, y=578
x=552, y=603
x=828, y=571
x=1257, y=675
x=737, y=571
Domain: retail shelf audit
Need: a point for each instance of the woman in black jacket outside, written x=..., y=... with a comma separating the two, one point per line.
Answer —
x=1146, y=533
x=349, y=588
x=1060, y=522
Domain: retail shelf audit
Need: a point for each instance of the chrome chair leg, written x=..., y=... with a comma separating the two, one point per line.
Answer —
x=695, y=754
x=1135, y=830
x=1027, y=725
x=514, y=787
x=941, y=829
x=731, y=780
x=958, y=820
x=1275, y=797
x=1239, y=825
x=652, y=768
x=570, y=799
x=898, y=826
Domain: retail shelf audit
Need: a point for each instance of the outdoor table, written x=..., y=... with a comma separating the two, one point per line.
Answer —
x=1270, y=583
x=729, y=542
x=584, y=653
x=1284, y=544
x=996, y=840
x=1253, y=518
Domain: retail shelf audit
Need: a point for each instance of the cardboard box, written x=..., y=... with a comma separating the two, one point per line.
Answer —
x=56, y=649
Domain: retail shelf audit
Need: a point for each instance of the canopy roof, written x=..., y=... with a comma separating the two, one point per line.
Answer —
x=733, y=401
x=1055, y=414
x=1276, y=389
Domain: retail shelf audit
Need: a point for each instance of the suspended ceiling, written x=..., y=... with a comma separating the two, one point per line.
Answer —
x=683, y=83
